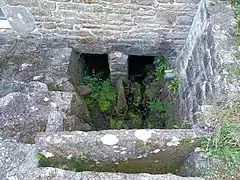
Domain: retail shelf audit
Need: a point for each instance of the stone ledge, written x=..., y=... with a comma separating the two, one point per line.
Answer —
x=158, y=149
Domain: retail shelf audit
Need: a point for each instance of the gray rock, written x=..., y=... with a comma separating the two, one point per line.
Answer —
x=98, y=119
x=196, y=165
x=35, y=86
x=74, y=123
x=56, y=174
x=118, y=65
x=121, y=98
x=16, y=157
x=48, y=66
x=20, y=18
x=23, y=115
x=9, y=86
x=84, y=90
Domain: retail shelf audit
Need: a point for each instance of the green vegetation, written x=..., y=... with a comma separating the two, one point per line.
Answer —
x=183, y=125
x=42, y=126
x=226, y=149
x=161, y=65
x=174, y=84
x=236, y=4
x=235, y=71
x=54, y=87
x=141, y=111
x=103, y=95
x=161, y=110
x=224, y=145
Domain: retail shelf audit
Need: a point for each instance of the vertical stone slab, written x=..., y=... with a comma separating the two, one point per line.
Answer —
x=118, y=64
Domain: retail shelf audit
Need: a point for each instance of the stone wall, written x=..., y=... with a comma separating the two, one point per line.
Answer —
x=190, y=64
x=204, y=60
x=135, y=27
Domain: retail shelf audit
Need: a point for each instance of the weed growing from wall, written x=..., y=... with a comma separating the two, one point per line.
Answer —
x=161, y=65
x=174, y=85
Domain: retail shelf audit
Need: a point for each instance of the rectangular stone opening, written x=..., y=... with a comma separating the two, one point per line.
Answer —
x=139, y=66
x=136, y=102
x=96, y=65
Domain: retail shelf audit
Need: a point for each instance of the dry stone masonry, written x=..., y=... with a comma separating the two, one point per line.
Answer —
x=43, y=111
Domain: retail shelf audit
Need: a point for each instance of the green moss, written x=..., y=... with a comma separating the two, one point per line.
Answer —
x=76, y=164
x=166, y=163
x=135, y=120
x=117, y=124
x=54, y=87
x=42, y=126
x=235, y=70
x=28, y=141
x=186, y=142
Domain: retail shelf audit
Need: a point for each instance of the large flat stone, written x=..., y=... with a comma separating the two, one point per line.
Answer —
x=23, y=115
x=156, y=149
x=18, y=162
x=49, y=66
x=16, y=157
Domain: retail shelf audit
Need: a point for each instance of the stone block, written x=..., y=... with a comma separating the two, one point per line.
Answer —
x=46, y=5
x=23, y=115
x=25, y=3
x=16, y=157
x=112, y=146
x=63, y=28
x=81, y=7
x=118, y=64
x=118, y=1
x=49, y=67
x=143, y=2
x=49, y=25
x=38, y=12
x=20, y=18
x=86, y=1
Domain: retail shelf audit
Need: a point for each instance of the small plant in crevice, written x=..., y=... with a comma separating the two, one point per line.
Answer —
x=183, y=125
x=161, y=65
x=174, y=85
x=236, y=4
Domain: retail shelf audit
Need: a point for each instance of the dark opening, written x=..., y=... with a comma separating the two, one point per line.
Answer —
x=139, y=66
x=96, y=65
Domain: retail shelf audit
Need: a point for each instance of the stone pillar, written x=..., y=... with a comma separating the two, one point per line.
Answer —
x=118, y=64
